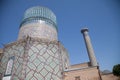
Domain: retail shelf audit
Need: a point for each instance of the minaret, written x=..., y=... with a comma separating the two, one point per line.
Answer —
x=89, y=47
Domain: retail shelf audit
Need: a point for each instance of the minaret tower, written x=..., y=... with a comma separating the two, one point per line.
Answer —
x=89, y=47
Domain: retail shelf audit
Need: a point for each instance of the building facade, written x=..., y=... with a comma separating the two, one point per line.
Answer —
x=38, y=55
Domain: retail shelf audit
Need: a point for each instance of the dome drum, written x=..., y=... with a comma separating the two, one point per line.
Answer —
x=38, y=22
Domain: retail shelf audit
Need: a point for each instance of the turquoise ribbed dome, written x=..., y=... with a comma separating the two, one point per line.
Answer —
x=39, y=13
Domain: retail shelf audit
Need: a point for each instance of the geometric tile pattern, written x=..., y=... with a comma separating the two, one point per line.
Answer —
x=17, y=51
x=35, y=60
x=65, y=57
x=43, y=62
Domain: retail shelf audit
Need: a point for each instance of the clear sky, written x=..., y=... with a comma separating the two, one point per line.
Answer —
x=102, y=17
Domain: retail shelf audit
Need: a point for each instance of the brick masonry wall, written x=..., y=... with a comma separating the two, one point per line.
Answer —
x=90, y=73
x=35, y=59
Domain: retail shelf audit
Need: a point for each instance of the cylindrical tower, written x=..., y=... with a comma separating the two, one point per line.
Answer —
x=38, y=22
x=37, y=55
x=89, y=47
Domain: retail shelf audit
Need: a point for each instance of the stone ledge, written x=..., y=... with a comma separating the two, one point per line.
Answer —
x=75, y=69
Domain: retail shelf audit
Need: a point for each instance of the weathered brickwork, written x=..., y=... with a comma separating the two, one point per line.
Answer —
x=35, y=59
x=38, y=30
x=90, y=73
x=16, y=50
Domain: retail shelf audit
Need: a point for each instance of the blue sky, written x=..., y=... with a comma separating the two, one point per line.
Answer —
x=102, y=17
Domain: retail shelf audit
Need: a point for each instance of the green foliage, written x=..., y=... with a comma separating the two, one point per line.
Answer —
x=116, y=70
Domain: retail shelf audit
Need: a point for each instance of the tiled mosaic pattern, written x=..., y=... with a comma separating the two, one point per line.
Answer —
x=16, y=50
x=43, y=62
x=40, y=12
x=38, y=30
x=35, y=60
x=65, y=57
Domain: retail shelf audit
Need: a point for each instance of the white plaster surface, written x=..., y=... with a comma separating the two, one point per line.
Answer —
x=6, y=78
